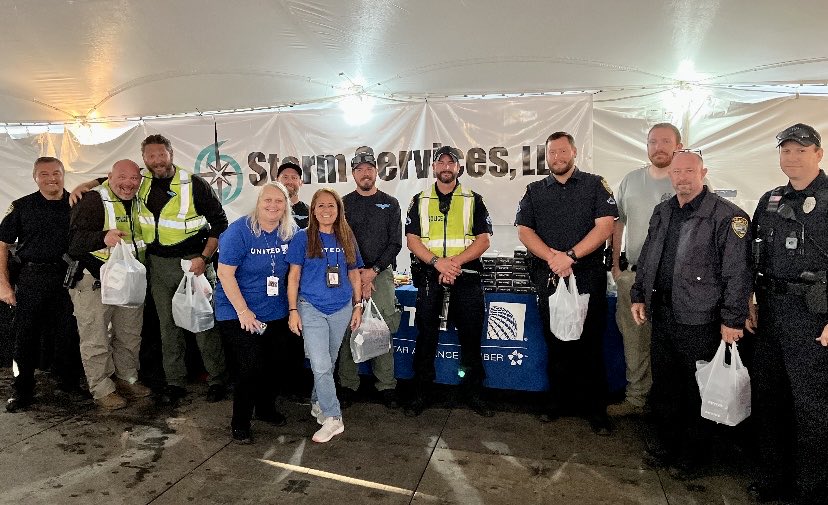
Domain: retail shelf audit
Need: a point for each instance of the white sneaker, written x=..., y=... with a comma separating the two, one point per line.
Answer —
x=333, y=426
x=316, y=412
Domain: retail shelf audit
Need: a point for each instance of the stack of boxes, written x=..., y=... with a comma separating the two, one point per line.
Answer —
x=506, y=274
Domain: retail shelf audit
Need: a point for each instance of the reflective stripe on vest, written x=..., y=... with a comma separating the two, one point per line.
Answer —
x=111, y=214
x=178, y=220
x=457, y=224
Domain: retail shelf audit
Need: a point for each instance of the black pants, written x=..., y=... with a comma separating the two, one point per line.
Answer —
x=577, y=375
x=675, y=398
x=256, y=362
x=466, y=313
x=44, y=315
x=790, y=386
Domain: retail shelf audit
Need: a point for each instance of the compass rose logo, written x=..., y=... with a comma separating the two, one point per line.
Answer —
x=220, y=170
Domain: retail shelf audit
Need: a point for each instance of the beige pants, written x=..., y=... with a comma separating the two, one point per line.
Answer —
x=110, y=338
x=636, y=344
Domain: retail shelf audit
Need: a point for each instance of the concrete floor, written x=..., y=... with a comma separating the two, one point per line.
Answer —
x=65, y=451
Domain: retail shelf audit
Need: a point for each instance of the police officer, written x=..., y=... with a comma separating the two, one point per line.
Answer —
x=447, y=230
x=790, y=373
x=693, y=281
x=39, y=222
x=375, y=218
x=110, y=336
x=564, y=221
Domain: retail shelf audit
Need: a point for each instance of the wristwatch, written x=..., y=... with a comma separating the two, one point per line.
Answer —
x=433, y=260
x=572, y=256
x=376, y=269
x=205, y=258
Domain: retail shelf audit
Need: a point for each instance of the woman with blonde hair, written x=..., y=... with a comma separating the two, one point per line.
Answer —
x=251, y=304
x=324, y=298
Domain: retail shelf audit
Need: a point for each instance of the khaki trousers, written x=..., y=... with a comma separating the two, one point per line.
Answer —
x=110, y=338
x=636, y=344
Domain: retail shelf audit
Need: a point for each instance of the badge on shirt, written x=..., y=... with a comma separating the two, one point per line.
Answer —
x=272, y=285
x=606, y=186
x=332, y=276
x=809, y=204
x=739, y=226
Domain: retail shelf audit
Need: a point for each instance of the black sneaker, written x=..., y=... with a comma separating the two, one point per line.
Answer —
x=273, y=417
x=388, y=398
x=600, y=425
x=242, y=436
x=171, y=395
x=346, y=397
x=18, y=403
x=479, y=407
x=216, y=393
x=415, y=407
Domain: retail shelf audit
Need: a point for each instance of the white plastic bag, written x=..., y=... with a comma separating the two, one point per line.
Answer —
x=725, y=389
x=123, y=278
x=372, y=338
x=567, y=310
x=191, y=307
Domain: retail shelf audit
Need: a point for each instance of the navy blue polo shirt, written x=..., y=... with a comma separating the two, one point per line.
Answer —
x=563, y=214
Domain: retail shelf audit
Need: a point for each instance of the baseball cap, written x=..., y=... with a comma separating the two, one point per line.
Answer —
x=446, y=150
x=286, y=165
x=362, y=155
x=800, y=133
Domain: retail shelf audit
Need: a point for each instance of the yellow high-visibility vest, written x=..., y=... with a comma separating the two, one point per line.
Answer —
x=115, y=217
x=178, y=220
x=450, y=234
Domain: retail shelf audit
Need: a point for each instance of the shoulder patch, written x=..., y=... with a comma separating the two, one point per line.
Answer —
x=739, y=225
x=606, y=186
x=10, y=209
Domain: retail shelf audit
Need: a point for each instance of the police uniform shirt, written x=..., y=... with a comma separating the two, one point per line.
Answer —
x=301, y=212
x=481, y=222
x=40, y=226
x=206, y=204
x=810, y=207
x=563, y=214
x=375, y=221
x=678, y=216
x=86, y=233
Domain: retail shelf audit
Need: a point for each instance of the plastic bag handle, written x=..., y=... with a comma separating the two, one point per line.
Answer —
x=718, y=359
x=369, y=303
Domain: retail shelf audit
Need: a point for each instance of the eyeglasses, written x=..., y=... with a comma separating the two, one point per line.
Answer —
x=697, y=152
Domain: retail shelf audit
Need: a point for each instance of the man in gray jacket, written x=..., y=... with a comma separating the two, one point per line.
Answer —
x=693, y=281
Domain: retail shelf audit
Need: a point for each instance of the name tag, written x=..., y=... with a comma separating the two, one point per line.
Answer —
x=332, y=276
x=272, y=285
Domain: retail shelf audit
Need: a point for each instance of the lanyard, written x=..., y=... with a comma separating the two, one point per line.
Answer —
x=272, y=252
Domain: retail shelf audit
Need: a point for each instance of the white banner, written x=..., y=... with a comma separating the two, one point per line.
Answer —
x=502, y=141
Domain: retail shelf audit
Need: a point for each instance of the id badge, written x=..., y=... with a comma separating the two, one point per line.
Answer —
x=272, y=285
x=332, y=276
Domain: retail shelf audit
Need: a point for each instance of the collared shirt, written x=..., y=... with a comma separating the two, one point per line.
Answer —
x=39, y=226
x=678, y=216
x=301, y=212
x=563, y=214
x=785, y=263
x=86, y=233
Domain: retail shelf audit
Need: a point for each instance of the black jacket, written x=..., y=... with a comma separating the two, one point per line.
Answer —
x=712, y=278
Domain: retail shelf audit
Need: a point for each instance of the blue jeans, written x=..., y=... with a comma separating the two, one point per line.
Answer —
x=323, y=334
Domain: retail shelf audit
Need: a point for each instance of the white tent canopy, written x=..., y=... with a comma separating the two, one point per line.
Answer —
x=79, y=59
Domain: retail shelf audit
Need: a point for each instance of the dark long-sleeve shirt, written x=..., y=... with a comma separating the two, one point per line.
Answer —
x=377, y=224
x=86, y=233
x=206, y=203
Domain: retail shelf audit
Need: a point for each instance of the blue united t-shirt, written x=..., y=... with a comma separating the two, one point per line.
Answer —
x=252, y=255
x=312, y=284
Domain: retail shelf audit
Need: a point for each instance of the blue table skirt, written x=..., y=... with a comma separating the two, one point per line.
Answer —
x=512, y=344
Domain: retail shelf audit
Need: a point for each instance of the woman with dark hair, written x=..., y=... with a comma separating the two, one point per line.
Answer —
x=251, y=304
x=324, y=298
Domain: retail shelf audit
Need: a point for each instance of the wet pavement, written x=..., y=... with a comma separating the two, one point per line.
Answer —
x=64, y=450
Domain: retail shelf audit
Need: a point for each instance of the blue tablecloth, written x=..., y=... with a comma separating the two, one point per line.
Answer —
x=512, y=344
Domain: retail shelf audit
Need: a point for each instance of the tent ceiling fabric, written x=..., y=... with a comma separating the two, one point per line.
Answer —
x=128, y=58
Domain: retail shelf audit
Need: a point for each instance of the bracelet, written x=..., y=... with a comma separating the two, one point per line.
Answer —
x=291, y=310
x=240, y=314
